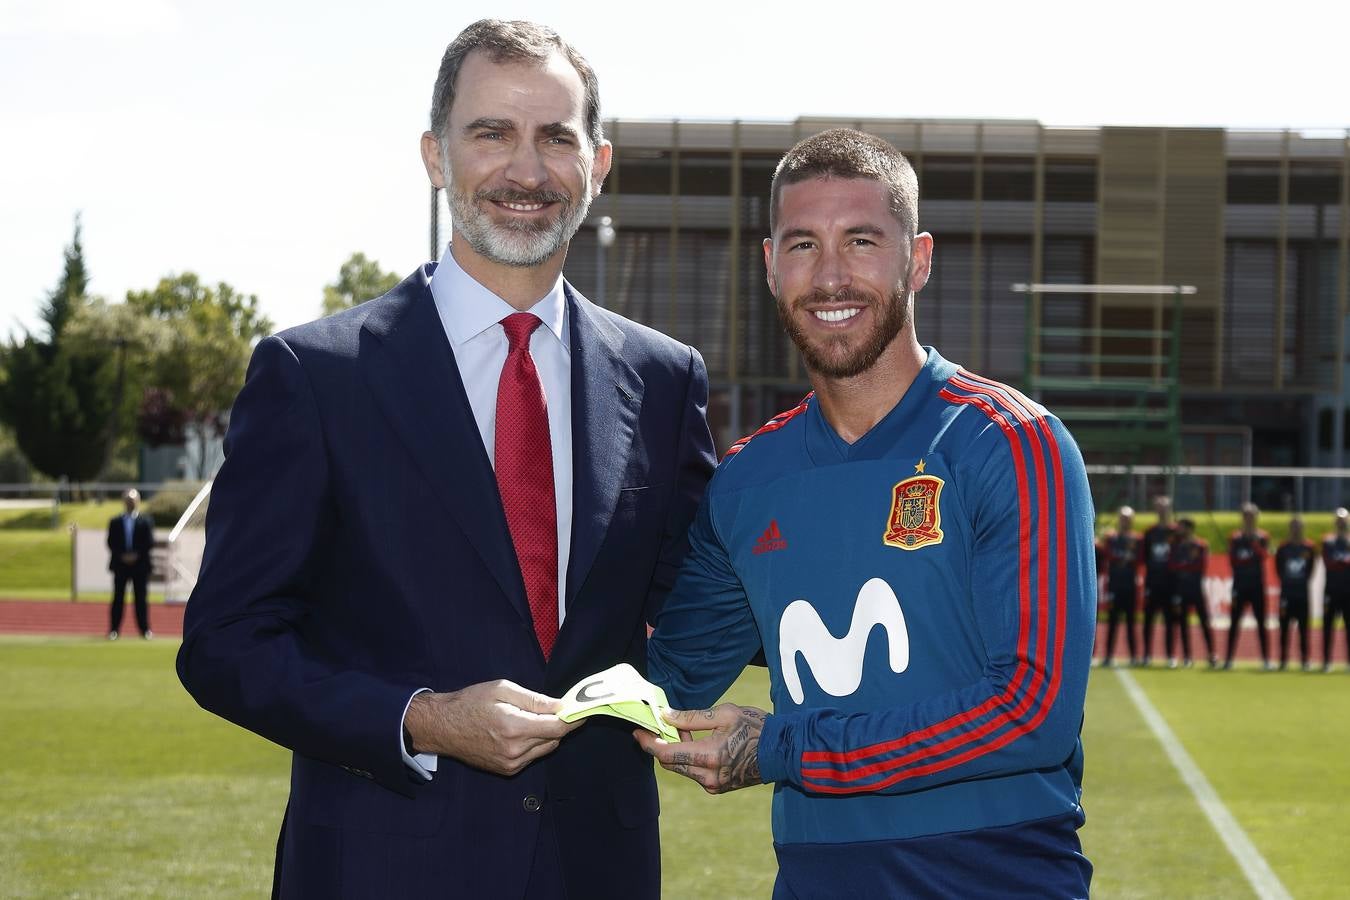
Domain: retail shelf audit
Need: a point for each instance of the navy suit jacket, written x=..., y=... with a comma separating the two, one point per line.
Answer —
x=357, y=550
x=142, y=542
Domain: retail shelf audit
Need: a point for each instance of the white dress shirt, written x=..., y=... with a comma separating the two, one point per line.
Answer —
x=471, y=315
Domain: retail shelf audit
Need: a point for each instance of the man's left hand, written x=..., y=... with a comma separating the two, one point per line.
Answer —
x=725, y=760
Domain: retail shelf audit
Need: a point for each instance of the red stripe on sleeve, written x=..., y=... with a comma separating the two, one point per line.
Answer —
x=773, y=424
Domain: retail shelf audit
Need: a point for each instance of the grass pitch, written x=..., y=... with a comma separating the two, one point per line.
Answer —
x=1273, y=745
x=115, y=784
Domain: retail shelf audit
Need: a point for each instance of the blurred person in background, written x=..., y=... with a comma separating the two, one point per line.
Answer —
x=1294, y=564
x=1188, y=563
x=1336, y=602
x=1156, y=548
x=1120, y=554
x=131, y=537
x=1248, y=550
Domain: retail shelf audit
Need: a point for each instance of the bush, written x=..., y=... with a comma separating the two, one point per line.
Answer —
x=119, y=468
x=14, y=467
x=171, y=501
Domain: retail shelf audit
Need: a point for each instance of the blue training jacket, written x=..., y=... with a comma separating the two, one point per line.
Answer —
x=961, y=525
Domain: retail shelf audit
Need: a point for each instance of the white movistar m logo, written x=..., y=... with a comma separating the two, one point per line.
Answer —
x=837, y=663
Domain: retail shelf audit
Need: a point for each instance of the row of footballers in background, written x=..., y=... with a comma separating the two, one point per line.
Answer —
x=1173, y=561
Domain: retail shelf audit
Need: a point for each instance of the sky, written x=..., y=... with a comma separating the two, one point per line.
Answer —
x=262, y=142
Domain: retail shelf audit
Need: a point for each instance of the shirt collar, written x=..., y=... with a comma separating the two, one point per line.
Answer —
x=467, y=308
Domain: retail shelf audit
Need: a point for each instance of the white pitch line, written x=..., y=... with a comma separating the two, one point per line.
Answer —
x=1259, y=874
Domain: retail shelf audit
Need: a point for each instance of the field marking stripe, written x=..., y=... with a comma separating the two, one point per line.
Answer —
x=1259, y=874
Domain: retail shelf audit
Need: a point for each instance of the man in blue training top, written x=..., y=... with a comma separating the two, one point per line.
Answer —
x=937, y=755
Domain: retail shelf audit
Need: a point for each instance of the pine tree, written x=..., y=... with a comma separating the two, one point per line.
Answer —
x=71, y=292
x=61, y=402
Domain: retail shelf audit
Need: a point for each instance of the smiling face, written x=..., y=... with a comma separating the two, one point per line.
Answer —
x=843, y=271
x=519, y=168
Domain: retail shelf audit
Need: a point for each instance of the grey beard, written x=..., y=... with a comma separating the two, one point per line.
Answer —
x=521, y=245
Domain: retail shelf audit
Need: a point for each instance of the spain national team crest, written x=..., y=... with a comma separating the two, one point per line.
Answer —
x=916, y=519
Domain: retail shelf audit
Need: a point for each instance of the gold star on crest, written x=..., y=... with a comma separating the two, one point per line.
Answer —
x=918, y=467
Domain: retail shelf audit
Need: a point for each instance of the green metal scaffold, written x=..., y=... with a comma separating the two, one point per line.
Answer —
x=1123, y=406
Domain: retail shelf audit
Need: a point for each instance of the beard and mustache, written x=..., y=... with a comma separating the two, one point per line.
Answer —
x=519, y=243
x=845, y=356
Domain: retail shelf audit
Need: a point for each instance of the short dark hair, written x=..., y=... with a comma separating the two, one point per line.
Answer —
x=510, y=41
x=846, y=153
x=1186, y=523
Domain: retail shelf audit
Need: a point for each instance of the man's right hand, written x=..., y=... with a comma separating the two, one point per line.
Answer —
x=497, y=726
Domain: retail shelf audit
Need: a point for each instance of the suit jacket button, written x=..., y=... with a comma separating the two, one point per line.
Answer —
x=531, y=803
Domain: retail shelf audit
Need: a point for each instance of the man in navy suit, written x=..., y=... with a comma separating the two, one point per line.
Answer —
x=131, y=536
x=406, y=564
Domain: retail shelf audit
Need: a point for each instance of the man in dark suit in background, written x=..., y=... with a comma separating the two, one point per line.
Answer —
x=441, y=509
x=131, y=536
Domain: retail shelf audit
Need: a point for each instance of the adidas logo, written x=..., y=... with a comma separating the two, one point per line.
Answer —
x=771, y=539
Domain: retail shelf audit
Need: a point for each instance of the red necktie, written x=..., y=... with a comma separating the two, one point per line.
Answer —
x=524, y=462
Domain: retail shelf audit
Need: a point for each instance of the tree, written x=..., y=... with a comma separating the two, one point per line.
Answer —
x=359, y=280
x=159, y=421
x=60, y=397
x=59, y=404
x=200, y=367
x=72, y=291
x=137, y=339
x=179, y=298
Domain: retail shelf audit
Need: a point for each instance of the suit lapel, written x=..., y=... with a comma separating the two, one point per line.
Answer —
x=410, y=368
x=606, y=398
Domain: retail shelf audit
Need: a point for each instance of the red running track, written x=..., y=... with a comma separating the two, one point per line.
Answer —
x=1248, y=647
x=57, y=617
